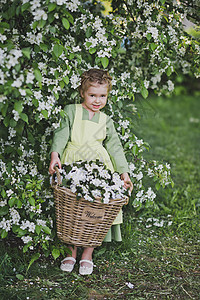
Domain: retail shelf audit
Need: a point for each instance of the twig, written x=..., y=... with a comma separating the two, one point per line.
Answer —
x=186, y=292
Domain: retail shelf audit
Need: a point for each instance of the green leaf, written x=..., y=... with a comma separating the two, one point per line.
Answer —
x=21, y=232
x=65, y=23
x=56, y=74
x=120, y=104
x=166, y=20
x=38, y=229
x=33, y=259
x=135, y=150
x=45, y=113
x=31, y=137
x=46, y=229
x=25, y=6
x=18, y=106
x=148, y=36
x=71, y=56
x=62, y=113
x=51, y=17
x=4, y=234
x=36, y=48
x=13, y=123
x=38, y=75
x=24, y=117
x=44, y=47
x=51, y=7
x=162, y=1
x=169, y=71
x=11, y=202
x=66, y=79
x=144, y=92
x=27, y=52
x=153, y=46
x=35, y=24
x=88, y=32
x=3, y=193
x=92, y=50
x=57, y=50
x=31, y=201
x=104, y=62
x=15, y=228
x=25, y=248
x=88, y=44
x=35, y=102
x=19, y=203
x=4, y=25
x=62, y=84
x=20, y=277
x=4, y=210
x=55, y=253
x=69, y=16
x=4, y=109
x=157, y=186
x=41, y=23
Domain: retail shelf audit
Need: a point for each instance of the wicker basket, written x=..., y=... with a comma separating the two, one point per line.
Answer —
x=80, y=222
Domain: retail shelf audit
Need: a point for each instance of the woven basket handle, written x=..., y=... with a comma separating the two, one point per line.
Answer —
x=59, y=181
x=127, y=200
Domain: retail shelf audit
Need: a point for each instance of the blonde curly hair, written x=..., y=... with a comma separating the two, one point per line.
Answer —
x=95, y=76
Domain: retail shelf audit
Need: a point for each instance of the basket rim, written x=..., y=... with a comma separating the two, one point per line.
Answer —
x=97, y=199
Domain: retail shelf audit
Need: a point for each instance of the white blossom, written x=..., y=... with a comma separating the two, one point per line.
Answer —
x=9, y=192
x=6, y=224
x=39, y=14
x=139, y=176
x=170, y=85
x=18, y=82
x=30, y=77
x=3, y=202
x=130, y=285
x=150, y=194
x=15, y=216
x=26, y=239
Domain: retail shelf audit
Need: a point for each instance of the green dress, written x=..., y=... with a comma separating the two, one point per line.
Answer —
x=79, y=138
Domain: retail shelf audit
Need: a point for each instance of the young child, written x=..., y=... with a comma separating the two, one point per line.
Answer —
x=88, y=134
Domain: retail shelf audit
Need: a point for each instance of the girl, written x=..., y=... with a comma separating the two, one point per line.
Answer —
x=88, y=134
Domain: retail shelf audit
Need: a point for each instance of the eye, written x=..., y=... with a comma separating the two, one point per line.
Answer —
x=103, y=96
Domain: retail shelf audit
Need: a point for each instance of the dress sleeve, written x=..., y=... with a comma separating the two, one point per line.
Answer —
x=114, y=148
x=62, y=134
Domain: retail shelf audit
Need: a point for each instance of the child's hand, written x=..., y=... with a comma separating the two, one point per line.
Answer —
x=127, y=182
x=55, y=160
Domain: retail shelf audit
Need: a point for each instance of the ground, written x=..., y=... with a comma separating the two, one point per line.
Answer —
x=159, y=255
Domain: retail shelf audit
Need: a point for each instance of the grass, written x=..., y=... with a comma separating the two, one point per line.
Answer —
x=171, y=127
x=159, y=255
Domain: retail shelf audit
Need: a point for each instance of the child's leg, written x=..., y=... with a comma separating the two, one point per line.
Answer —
x=74, y=253
x=87, y=255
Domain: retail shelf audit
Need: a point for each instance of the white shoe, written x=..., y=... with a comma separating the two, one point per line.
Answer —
x=66, y=266
x=83, y=270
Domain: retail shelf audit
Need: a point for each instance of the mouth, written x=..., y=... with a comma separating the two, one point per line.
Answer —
x=96, y=106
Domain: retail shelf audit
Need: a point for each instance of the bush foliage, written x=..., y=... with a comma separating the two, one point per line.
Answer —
x=44, y=47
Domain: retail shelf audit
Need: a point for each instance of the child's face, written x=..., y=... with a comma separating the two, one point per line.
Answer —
x=95, y=97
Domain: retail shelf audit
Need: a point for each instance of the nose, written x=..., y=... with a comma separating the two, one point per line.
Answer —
x=98, y=100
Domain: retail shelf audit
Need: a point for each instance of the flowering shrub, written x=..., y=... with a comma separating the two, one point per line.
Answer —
x=44, y=47
x=90, y=180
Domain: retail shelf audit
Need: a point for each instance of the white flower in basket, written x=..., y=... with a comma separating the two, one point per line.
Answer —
x=92, y=179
